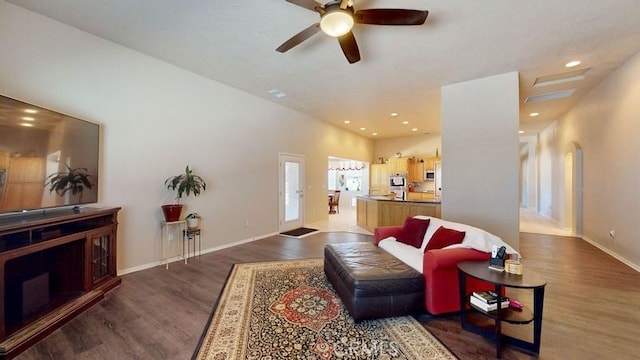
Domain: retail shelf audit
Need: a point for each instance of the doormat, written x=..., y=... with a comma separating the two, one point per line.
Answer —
x=298, y=232
x=288, y=310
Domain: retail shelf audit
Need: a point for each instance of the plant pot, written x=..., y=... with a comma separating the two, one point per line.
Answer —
x=193, y=223
x=172, y=212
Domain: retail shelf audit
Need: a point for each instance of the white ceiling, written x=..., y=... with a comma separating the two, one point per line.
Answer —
x=402, y=68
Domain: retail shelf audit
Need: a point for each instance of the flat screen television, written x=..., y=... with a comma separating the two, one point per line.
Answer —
x=47, y=159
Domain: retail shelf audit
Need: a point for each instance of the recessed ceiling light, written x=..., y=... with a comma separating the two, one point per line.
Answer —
x=347, y=122
x=394, y=114
x=533, y=114
x=405, y=123
x=277, y=93
x=572, y=63
x=26, y=124
x=28, y=118
x=30, y=111
x=414, y=129
x=363, y=129
x=521, y=132
x=375, y=134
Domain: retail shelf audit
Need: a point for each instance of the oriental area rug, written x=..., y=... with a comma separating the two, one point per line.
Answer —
x=288, y=310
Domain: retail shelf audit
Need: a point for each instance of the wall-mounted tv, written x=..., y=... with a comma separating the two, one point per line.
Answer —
x=47, y=159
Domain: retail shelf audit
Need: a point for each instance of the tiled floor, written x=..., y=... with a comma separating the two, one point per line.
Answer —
x=530, y=222
x=344, y=221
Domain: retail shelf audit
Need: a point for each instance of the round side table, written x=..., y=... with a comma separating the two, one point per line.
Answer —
x=501, y=280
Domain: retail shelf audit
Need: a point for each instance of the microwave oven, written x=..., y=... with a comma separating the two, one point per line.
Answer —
x=429, y=175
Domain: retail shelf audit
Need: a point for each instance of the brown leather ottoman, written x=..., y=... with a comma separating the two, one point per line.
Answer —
x=371, y=282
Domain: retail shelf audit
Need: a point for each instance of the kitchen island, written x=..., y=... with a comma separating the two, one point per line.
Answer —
x=376, y=210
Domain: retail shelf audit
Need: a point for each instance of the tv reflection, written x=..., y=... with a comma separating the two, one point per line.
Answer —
x=38, y=146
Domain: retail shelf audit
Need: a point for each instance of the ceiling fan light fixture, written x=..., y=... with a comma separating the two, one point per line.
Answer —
x=336, y=22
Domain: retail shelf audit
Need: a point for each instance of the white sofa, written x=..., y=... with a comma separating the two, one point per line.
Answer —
x=439, y=266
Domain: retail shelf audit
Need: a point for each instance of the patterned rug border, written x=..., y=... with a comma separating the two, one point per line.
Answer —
x=291, y=262
x=212, y=313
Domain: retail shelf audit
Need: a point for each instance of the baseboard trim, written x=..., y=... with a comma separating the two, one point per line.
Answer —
x=235, y=243
x=617, y=256
x=204, y=251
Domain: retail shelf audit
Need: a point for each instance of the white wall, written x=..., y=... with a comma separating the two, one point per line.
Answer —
x=529, y=172
x=420, y=146
x=481, y=147
x=547, y=158
x=605, y=124
x=156, y=118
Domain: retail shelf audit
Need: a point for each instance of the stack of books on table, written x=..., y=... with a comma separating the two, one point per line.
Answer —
x=488, y=301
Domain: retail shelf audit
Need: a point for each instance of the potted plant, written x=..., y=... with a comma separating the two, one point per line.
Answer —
x=193, y=220
x=183, y=184
x=74, y=180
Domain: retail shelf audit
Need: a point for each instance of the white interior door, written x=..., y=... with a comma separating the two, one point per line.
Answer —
x=291, y=192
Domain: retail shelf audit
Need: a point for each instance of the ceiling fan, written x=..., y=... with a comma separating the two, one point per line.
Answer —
x=337, y=18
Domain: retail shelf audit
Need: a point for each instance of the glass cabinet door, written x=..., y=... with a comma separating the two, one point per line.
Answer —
x=100, y=256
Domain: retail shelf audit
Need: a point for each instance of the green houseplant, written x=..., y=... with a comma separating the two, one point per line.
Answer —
x=74, y=180
x=183, y=184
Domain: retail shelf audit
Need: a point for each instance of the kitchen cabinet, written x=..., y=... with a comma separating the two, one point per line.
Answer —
x=4, y=159
x=372, y=213
x=379, y=182
x=395, y=212
x=429, y=163
x=399, y=165
x=420, y=196
x=416, y=172
x=367, y=213
x=24, y=186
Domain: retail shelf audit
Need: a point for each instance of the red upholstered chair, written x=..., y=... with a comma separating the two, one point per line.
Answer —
x=440, y=273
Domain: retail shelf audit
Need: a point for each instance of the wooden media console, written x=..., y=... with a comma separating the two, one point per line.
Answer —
x=54, y=264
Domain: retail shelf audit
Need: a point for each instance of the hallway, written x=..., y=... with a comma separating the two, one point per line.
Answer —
x=532, y=222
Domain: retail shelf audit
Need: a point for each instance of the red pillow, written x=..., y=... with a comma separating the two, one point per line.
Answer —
x=412, y=232
x=444, y=237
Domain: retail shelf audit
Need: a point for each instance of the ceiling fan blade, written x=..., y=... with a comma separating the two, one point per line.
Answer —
x=307, y=4
x=349, y=47
x=299, y=37
x=391, y=17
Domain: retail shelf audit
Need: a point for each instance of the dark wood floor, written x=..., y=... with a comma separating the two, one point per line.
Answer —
x=592, y=305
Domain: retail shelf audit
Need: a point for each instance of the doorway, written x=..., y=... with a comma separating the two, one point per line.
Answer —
x=573, y=163
x=291, y=191
x=568, y=191
x=349, y=176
